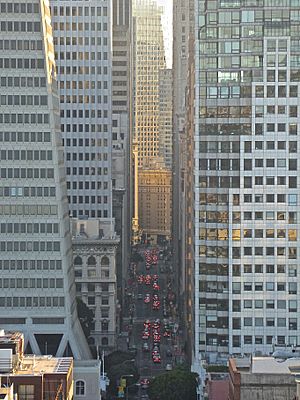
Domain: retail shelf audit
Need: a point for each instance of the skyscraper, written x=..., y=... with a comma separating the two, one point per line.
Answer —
x=165, y=116
x=149, y=59
x=121, y=133
x=246, y=183
x=83, y=39
x=37, y=283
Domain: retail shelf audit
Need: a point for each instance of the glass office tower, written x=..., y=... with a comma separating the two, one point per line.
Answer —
x=246, y=183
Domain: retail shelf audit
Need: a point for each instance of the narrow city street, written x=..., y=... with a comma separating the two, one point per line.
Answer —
x=154, y=333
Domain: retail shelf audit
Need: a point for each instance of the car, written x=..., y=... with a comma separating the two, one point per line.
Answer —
x=155, y=325
x=147, y=279
x=145, y=335
x=169, y=353
x=155, y=286
x=155, y=278
x=140, y=296
x=156, y=359
x=144, y=383
x=155, y=305
x=140, y=279
x=155, y=297
x=146, y=347
x=147, y=298
x=156, y=338
x=147, y=324
x=148, y=266
x=169, y=367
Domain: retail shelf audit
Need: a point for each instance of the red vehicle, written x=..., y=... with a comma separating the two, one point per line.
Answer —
x=155, y=286
x=147, y=324
x=148, y=279
x=156, y=359
x=140, y=279
x=156, y=305
x=147, y=298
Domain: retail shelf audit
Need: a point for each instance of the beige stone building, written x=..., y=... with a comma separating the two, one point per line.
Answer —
x=94, y=260
x=155, y=199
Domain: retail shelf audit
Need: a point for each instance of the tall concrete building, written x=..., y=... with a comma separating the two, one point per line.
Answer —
x=37, y=281
x=165, y=116
x=83, y=42
x=149, y=60
x=246, y=176
x=149, y=99
x=182, y=255
x=121, y=133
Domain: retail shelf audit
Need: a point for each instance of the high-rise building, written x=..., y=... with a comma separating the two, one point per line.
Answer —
x=83, y=39
x=121, y=134
x=246, y=176
x=149, y=59
x=182, y=258
x=37, y=281
x=165, y=116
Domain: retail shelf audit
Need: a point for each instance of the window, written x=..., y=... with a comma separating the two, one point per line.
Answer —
x=80, y=388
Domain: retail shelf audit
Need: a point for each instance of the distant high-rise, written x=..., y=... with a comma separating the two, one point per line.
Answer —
x=83, y=39
x=246, y=176
x=149, y=59
x=37, y=283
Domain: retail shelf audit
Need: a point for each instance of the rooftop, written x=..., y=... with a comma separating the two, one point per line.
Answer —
x=38, y=365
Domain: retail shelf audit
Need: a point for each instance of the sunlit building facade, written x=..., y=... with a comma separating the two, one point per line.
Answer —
x=246, y=183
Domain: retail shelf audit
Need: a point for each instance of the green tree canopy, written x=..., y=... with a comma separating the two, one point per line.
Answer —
x=115, y=372
x=86, y=317
x=117, y=357
x=174, y=385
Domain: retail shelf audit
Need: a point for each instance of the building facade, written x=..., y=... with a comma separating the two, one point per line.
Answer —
x=165, y=116
x=149, y=60
x=38, y=290
x=121, y=134
x=94, y=262
x=83, y=39
x=155, y=199
x=246, y=191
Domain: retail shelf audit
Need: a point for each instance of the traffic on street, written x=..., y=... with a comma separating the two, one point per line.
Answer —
x=153, y=327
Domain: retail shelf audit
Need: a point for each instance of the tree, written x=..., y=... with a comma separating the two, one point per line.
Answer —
x=174, y=385
x=86, y=317
x=115, y=372
x=136, y=258
x=117, y=357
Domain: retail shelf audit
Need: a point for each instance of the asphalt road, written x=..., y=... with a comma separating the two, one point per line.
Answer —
x=147, y=368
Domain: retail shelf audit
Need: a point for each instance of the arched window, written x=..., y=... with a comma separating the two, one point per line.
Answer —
x=104, y=261
x=77, y=260
x=104, y=341
x=91, y=260
x=80, y=388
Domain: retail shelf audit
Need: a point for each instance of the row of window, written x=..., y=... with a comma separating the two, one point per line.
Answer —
x=21, y=44
x=83, y=113
x=85, y=142
x=92, y=273
x=25, y=283
x=80, y=26
x=16, y=8
x=269, y=181
x=234, y=182
x=87, y=185
x=259, y=321
x=29, y=173
x=248, y=339
x=290, y=252
x=89, y=199
x=29, y=246
x=86, y=128
x=237, y=234
x=290, y=305
x=26, y=137
x=71, y=84
x=79, y=41
x=81, y=70
x=83, y=99
x=29, y=228
x=32, y=302
x=235, y=112
x=90, y=213
x=87, y=171
x=237, y=269
x=24, y=119
x=22, y=100
x=223, y=216
x=22, y=63
x=268, y=286
x=26, y=155
x=79, y=11
x=82, y=55
x=87, y=156
x=20, y=26
x=22, y=209
x=25, y=265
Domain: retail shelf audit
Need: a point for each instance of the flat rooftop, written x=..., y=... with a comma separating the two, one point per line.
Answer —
x=269, y=365
x=38, y=365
